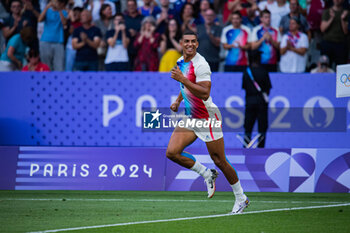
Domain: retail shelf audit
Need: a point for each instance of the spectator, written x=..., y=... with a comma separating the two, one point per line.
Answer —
x=133, y=21
x=149, y=8
x=189, y=21
x=166, y=13
x=95, y=7
x=234, y=38
x=34, y=63
x=117, y=58
x=293, y=50
x=251, y=20
x=294, y=12
x=74, y=23
x=209, y=40
x=146, y=45
x=12, y=58
x=170, y=46
x=278, y=11
x=105, y=23
x=86, y=40
x=267, y=5
x=322, y=66
x=52, y=39
x=267, y=40
x=14, y=23
x=203, y=7
x=334, y=26
x=314, y=15
x=31, y=11
x=237, y=5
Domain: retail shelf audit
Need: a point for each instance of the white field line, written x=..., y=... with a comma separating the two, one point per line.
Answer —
x=191, y=218
x=160, y=200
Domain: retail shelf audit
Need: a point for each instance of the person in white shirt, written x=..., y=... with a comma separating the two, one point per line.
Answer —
x=293, y=49
x=266, y=5
x=278, y=10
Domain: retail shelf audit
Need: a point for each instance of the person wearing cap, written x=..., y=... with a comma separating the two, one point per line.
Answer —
x=256, y=102
x=322, y=66
x=294, y=46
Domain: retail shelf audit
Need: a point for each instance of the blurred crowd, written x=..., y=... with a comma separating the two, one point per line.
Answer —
x=144, y=35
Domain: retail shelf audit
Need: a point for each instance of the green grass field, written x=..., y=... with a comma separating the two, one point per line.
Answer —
x=33, y=211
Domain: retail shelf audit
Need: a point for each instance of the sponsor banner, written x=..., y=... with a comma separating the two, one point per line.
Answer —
x=63, y=168
x=343, y=81
x=272, y=170
x=125, y=168
x=105, y=109
x=8, y=165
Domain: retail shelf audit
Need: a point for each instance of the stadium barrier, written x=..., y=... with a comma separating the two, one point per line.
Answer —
x=133, y=168
x=105, y=109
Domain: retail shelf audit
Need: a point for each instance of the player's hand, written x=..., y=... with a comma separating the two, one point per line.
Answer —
x=175, y=106
x=177, y=74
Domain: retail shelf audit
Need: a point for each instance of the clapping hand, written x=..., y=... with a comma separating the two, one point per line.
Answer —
x=83, y=36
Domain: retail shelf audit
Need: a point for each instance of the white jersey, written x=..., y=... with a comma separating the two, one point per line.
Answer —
x=198, y=70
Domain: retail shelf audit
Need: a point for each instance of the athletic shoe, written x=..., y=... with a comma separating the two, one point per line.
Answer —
x=210, y=182
x=239, y=206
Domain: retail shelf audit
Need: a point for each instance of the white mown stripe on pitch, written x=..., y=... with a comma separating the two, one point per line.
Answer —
x=163, y=200
x=191, y=218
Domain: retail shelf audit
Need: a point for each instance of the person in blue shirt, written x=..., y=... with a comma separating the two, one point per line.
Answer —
x=15, y=51
x=51, y=43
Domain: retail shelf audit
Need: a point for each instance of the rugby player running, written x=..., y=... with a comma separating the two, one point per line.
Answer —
x=193, y=74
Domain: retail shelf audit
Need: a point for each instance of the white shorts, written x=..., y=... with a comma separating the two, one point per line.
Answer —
x=207, y=130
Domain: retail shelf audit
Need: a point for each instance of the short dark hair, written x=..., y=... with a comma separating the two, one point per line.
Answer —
x=189, y=32
x=237, y=13
x=296, y=19
x=265, y=11
x=33, y=53
x=103, y=7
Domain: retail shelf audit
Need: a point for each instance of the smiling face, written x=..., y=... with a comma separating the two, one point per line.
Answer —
x=189, y=45
x=107, y=12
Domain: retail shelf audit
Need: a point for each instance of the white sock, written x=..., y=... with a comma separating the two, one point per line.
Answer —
x=238, y=191
x=201, y=170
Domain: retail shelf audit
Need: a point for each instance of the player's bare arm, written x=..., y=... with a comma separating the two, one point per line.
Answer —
x=175, y=106
x=200, y=89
